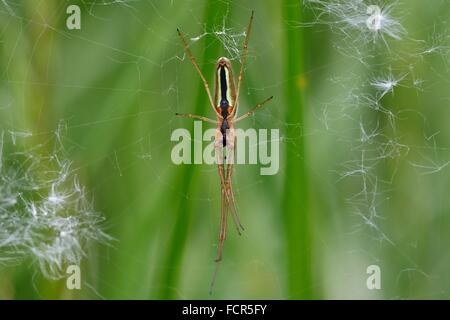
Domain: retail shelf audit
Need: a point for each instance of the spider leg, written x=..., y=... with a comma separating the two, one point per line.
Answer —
x=224, y=183
x=244, y=56
x=194, y=62
x=226, y=194
x=231, y=138
x=194, y=116
x=230, y=196
x=222, y=236
x=252, y=111
x=223, y=226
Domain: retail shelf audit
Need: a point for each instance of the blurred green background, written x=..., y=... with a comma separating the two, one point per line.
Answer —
x=116, y=85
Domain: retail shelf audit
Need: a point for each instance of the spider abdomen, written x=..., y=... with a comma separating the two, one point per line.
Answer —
x=223, y=129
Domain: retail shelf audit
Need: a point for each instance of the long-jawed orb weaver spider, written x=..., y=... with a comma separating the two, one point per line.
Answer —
x=225, y=106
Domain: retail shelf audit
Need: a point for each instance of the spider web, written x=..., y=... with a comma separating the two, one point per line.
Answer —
x=354, y=108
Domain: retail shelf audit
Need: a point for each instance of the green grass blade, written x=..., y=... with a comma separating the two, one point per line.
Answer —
x=295, y=202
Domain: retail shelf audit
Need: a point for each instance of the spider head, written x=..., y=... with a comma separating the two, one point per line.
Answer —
x=223, y=62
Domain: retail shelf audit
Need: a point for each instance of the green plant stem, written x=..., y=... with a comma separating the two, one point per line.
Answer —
x=295, y=202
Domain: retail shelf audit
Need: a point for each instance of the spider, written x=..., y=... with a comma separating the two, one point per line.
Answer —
x=225, y=106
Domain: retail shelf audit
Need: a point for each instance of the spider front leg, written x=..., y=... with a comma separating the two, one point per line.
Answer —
x=200, y=73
